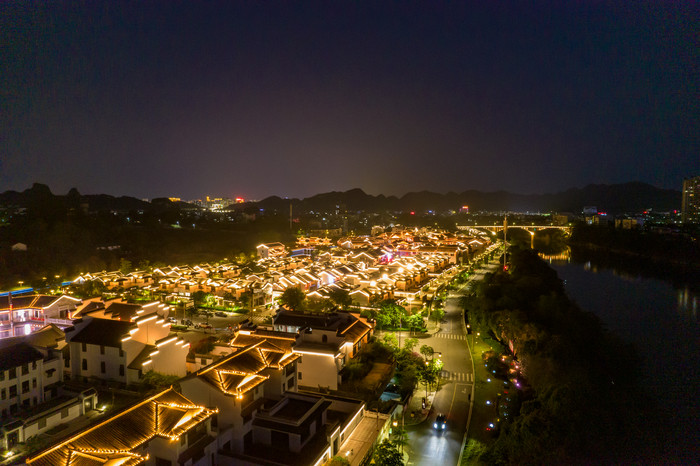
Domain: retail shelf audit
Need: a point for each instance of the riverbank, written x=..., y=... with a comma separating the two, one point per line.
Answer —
x=584, y=402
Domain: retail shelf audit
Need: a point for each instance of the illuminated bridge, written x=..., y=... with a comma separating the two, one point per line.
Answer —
x=531, y=228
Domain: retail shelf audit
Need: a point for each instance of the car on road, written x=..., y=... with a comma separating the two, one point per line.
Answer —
x=220, y=314
x=186, y=322
x=205, y=326
x=172, y=320
x=440, y=423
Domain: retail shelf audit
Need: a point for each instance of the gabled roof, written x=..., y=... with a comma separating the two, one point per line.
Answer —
x=114, y=441
x=17, y=354
x=105, y=332
x=122, y=311
x=273, y=341
x=33, y=301
x=242, y=371
x=48, y=336
x=90, y=306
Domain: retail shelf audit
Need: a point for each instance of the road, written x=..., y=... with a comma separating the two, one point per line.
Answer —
x=425, y=445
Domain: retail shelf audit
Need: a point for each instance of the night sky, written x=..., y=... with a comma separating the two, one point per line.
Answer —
x=254, y=99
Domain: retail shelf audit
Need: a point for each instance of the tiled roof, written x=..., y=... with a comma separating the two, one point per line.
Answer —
x=46, y=337
x=91, y=306
x=33, y=301
x=241, y=371
x=18, y=354
x=105, y=332
x=122, y=311
x=114, y=441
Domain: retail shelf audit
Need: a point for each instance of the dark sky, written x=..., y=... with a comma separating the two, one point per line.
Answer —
x=259, y=98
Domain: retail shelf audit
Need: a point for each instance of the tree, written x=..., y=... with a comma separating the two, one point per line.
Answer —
x=388, y=454
x=410, y=343
x=427, y=351
x=199, y=297
x=415, y=322
x=340, y=297
x=391, y=341
x=437, y=315
x=429, y=373
x=125, y=266
x=293, y=298
x=246, y=299
x=159, y=381
x=393, y=314
x=338, y=461
x=318, y=304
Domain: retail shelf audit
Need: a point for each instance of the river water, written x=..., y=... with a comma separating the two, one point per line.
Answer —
x=661, y=320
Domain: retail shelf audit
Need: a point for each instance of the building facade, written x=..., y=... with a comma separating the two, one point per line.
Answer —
x=690, y=209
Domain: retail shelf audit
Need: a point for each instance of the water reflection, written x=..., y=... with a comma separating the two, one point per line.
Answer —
x=659, y=316
x=688, y=304
x=562, y=256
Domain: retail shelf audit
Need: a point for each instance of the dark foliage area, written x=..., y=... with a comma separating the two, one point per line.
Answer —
x=67, y=235
x=585, y=403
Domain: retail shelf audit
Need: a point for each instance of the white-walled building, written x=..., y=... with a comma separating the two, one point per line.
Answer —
x=122, y=351
x=31, y=398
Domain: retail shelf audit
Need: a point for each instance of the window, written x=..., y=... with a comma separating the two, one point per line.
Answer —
x=25, y=386
x=33, y=383
x=33, y=365
x=25, y=369
x=121, y=369
x=299, y=375
x=102, y=349
x=3, y=394
x=13, y=373
x=2, y=375
x=84, y=364
x=324, y=338
x=84, y=347
x=66, y=362
x=121, y=353
x=13, y=391
x=103, y=367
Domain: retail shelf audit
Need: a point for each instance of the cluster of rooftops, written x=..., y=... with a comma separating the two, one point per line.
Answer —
x=250, y=385
x=369, y=268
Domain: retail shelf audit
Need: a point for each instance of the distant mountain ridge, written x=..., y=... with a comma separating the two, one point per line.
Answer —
x=41, y=194
x=616, y=198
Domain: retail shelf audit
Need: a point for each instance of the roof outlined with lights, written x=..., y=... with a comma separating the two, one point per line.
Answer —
x=243, y=370
x=116, y=440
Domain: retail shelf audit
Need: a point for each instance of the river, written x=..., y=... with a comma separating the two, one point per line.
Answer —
x=661, y=320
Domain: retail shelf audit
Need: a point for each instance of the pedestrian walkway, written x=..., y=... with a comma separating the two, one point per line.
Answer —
x=460, y=377
x=450, y=336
